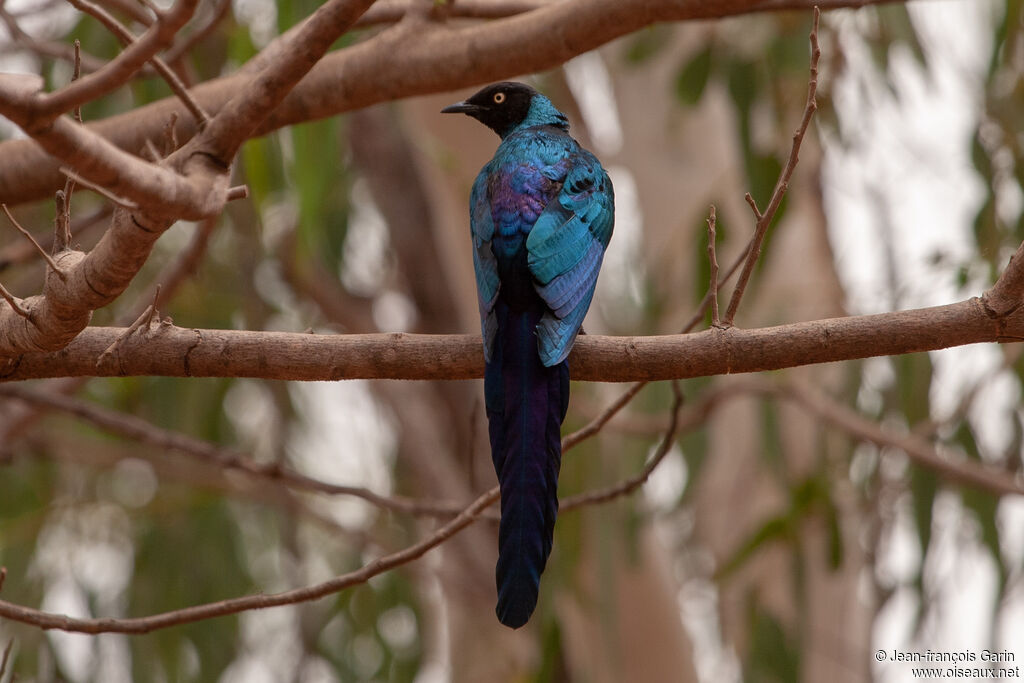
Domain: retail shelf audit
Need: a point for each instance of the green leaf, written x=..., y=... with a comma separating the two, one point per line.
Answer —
x=693, y=77
x=774, y=655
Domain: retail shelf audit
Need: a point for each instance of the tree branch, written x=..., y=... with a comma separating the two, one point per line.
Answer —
x=918, y=449
x=166, y=350
x=439, y=57
x=764, y=220
x=44, y=108
x=46, y=621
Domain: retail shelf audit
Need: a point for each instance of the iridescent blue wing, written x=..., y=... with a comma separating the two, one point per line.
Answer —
x=481, y=225
x=565, y=249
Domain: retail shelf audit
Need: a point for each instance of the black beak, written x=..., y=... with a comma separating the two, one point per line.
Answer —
x=461, y=108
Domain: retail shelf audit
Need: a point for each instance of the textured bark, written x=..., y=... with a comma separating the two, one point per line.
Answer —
x=170, y=351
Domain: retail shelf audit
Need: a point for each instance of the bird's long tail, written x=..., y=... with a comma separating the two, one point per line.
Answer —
x=526, y=403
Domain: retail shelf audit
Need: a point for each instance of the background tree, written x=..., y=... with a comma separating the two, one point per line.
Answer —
x=164, y=478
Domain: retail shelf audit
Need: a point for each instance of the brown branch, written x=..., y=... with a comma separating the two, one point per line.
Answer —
x=15, y=306
x=76, y=73
x=1007, y=294
x=172, y=351
x=391, y=12
x=633, y=483
x=919, y=450
x=391, y=65
x=599, y=421
x=181, y=48
x=467, y=516
x=46, y=257
x=765, y=218
x=116, y=72
x=839, y=415
x=127, y=39
x=199, y=190
x=142, y=431
x=6, y=656
x=46, y=621
x=237, y=121
x=169, y=279
x=713, y=262
x=44, y=47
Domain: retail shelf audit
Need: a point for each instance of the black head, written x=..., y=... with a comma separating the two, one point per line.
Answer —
x=504, y=106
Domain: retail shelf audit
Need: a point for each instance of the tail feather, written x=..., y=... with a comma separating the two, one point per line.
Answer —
x=526, y=403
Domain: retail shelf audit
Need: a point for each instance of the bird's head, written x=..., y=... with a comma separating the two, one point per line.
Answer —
x=507, y=106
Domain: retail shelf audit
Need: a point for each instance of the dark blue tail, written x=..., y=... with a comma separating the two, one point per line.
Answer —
x=526, y=403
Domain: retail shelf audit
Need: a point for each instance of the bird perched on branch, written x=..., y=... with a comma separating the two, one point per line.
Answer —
x=541, y=215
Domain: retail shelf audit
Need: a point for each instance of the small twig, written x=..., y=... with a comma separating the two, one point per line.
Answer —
x=713, y=261
x=152, y=152
x=3, y=661
x=49, y=259
x=15, y=305
x=179, y=50
x=764, y=219
x=47, y=620
x=137, y=429
x=238, y=192
x=633, y=483
x=3, y=577
x=170, y=134
x=145, y=319
x=62, y=223
x=753, y=206
x=127, y=39
x=76, y=74
x=120, y=201
x=595, y=425
x=918, y=450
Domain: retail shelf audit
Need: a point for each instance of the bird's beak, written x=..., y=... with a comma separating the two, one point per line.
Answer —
x=461, y=108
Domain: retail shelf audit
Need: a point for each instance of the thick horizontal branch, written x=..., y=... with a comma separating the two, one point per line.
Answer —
x=166, y=350
x=428, y=57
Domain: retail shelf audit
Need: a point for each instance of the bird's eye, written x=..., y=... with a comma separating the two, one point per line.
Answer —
x=499, y=97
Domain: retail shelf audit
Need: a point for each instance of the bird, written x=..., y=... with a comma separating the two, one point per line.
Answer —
x=541, y=217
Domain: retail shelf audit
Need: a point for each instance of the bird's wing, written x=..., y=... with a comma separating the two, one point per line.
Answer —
x=565, y=249
x=481, y=225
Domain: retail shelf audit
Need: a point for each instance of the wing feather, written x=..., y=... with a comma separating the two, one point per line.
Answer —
x=565, y=250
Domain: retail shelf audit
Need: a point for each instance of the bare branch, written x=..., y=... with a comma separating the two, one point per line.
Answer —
x=46, y=621
x=46, y=257
x=7, y=651
x=181, y=48
x=764, y=220
x=633, y=483
x=15, y=305
x=140, y=430
x=127, y=39
x=595, y=425
x=116, y=72
x=237, y=121
x=1007, y=294
x=99, y=189
x=919, y=450
x=75, y=75
x=177, y=352
x=145, y=318
x=391, y=12
x=390, y=66
x=713, y=261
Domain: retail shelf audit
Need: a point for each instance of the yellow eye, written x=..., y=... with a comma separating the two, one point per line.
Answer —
x=499, y=97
